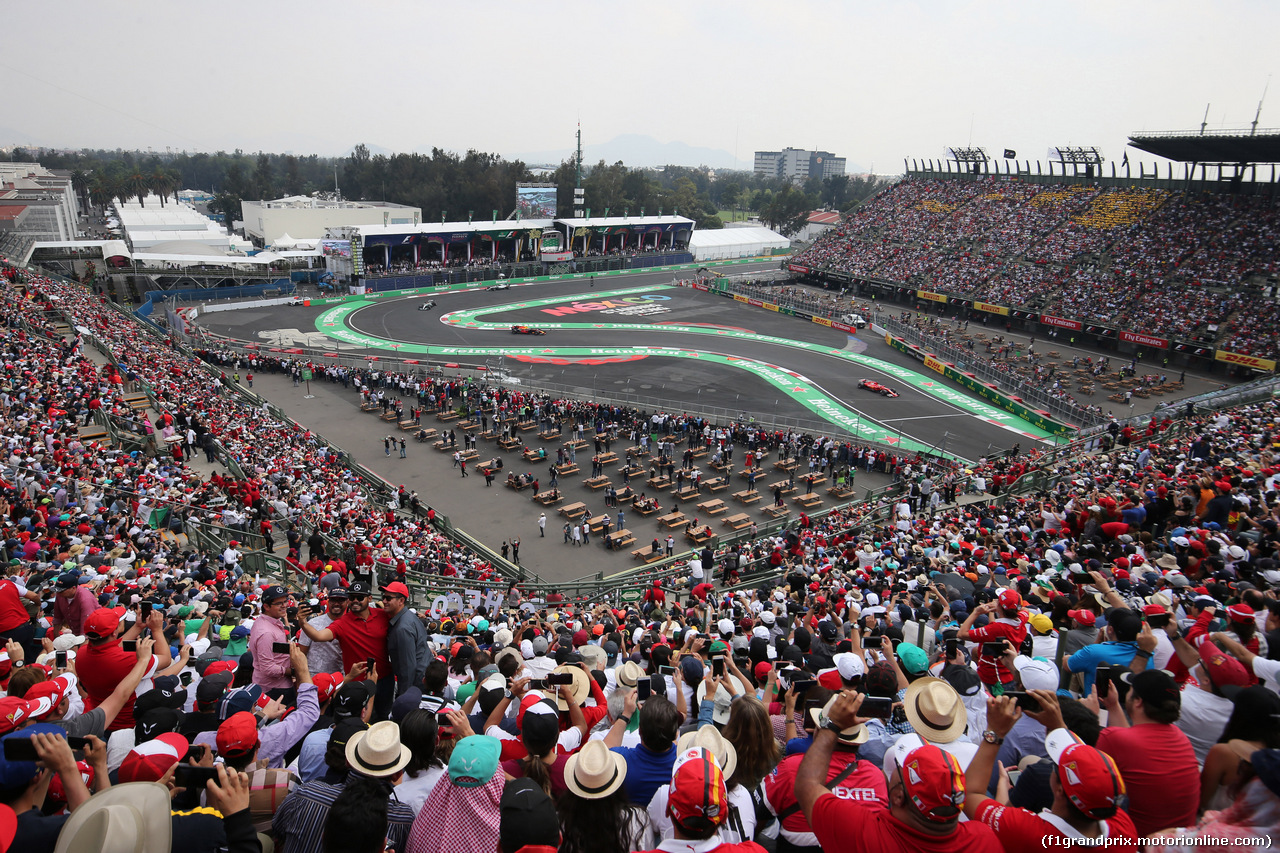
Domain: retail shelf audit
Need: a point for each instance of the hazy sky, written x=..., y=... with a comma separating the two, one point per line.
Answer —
x=872, y=81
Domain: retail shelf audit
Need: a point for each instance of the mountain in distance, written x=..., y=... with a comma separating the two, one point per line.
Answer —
x=637, y=150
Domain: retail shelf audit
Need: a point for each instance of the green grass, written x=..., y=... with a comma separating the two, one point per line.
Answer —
x=735, y=215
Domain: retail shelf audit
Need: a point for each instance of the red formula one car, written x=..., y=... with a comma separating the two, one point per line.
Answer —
x=527, y=330
x=882, y=390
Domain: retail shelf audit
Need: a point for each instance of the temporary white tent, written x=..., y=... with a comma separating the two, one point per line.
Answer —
x=725, y=243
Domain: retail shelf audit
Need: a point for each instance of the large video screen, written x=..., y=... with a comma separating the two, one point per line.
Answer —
x=536, y=202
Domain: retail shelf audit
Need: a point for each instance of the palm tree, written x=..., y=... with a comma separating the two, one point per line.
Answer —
x=80, y=183
x=137, y=185
x=162, y=183
x=99, y=193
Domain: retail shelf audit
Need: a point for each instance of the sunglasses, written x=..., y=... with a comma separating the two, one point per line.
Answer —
x=356, y=597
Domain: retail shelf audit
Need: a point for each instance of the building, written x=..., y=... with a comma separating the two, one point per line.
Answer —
x=798, y=164
x=307, y=218
x=37, y=203
x=174, y=228
x=818, y=222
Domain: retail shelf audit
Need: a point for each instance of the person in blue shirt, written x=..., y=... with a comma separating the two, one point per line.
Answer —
x=1123, y=627
x=649, y=764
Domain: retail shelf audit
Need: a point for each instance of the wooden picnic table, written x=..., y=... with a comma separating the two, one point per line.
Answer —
x=777, y=511
x=737, y=522
x=688, y=493
x=574, y=510
x=648, y=553
x=596, y=483
x=717, y=484
x=607, y=458
x=596, y=522
x=713, y=507
x=645, y=509
x=808, y=501
x=672, y=519
x=746, y=497
x=548, y=497
x=534, y=455
x=700, y=535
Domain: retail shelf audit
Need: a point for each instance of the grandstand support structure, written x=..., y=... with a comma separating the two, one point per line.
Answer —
x=969, y=159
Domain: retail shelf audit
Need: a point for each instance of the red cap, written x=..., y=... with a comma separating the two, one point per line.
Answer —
x=219, y=666
x=1223, y=670
x=934, y=782
x=58, y=793
x=762, y=671
x=1084, y=617
x=697, y=794
x=580, y=638
x=1242, y=613
x=1152, y=610
x=396, y=588
x=238, y=734
x=101, y=623
x=13, y=713
x=1009, y=598
x=44, y=697
x=148, y=762
x=1089, y=776
x=326, y=683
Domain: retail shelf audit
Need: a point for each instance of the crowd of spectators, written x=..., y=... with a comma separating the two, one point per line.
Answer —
x=1172, y=265
x=1098, y=660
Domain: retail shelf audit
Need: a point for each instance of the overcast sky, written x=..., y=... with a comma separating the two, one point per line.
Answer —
x=871, y=81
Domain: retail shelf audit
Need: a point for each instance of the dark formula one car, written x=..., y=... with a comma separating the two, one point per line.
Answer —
x=527, y=330
x=882, y=390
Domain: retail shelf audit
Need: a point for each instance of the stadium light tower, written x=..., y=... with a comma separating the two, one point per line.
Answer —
x=970, y=159
x=1090, y=157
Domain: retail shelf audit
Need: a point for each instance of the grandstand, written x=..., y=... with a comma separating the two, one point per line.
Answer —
x=1178, y=270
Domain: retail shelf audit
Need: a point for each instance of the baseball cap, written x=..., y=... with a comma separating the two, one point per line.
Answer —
x=1086, y=618
x=396, y=588
x=274, y=593
x=932, y=778
x=42, y=698
x=913, y=658
x=101, y=623
x=350, y=699
x=697, y=796
x=1036, y=673
x=17, y=774
x=240, y=699
x=157, y=721
x=474, y=761
x=326, y=683
x=212, y=687
x=528, y=817
x=359, y=588
x=338, y=592
x=1089, y=776
x=1153, y=686
x=1041, y=623
x=238, y=734
x=1010, y=598
x=1223, y=670
x=148, y=762
x=13, y=713
x=850, y=666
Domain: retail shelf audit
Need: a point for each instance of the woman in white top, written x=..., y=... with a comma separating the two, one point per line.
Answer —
x=419, y=732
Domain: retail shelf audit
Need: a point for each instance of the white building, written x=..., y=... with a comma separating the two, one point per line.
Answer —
x=51, y=208
x=307, y=218
x=174, y=229
x=798, y=164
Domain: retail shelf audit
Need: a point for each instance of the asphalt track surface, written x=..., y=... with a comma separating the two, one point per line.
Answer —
x=473, y=326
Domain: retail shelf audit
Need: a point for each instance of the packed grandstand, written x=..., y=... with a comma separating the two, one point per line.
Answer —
x=1061, y=647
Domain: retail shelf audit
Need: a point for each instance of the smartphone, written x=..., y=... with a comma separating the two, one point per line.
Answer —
x=1158, y=620
x=643, y=688
x=194, y=752
x=876, y=706
x=559, y=678
x=802, y=687
x=1024, y=700
x=185, y=678
x=442, y=719
x=60, y=660
x=993, y=650
x=870, y=641
x=368, y=664
x=189, y=777
x=952, y=647
x=717, y=666
x=1102, y=681
x=146, y=610
x=666, y=670
x=23, y=749
x=538, y=684
x=129, y=645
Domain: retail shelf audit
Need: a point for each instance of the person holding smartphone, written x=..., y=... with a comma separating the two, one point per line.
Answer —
x=1008, y=625
x=102, y=663
x=272, y=669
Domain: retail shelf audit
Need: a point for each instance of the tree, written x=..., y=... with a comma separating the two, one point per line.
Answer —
x=787, y=211
x=163, y=182
x=137, y=184
x=80, y=183
x=99, y=193
x=264, y=178
x=292, y=176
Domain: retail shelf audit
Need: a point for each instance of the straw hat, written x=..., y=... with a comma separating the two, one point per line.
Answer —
x=851, y=736
x=595, y=771
x=377, y=751
x=128, y=818
x=581, y=687
x=628, y=673
x=722, y=697
x=710, y=739
x=935, y=710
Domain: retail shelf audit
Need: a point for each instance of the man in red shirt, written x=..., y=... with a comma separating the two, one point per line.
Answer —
x=926, y=792
x=362, y=635
x=1086, y=784
x=1155, y=757
x=1010, y=626
x=102, y=664
x=847, y=777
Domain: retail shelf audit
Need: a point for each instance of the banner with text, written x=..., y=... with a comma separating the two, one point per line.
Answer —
x=1061, y=322
x=1256, y=363
x=1144, y=340
x=931, y=296
x=992, y=309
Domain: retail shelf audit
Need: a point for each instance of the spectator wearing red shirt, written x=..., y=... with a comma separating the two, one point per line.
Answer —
x=102, y=664
x=361, y=634
x=1086, y=784
x=654, y=595
x=15, y=623
x=926, y=792
x=1011, y=626
x=1156, y=760
x=848, y=777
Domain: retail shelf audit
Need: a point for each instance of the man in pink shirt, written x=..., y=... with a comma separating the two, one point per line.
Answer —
x=271, y=669
x=75, y=604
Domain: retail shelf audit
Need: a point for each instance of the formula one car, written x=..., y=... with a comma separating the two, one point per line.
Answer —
x=428, y=305
x=882, y=390
x=502, y=284
x=527, y=330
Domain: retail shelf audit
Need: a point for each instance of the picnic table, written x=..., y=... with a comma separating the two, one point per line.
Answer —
x=645, y=509
x=746, y=497
x=548, y=497
x=713, y=507
x=661, y=482
x=673, y=519
x=510, y=443
x=786, y=486
x=808, y=501
x=621, y=538
x=700, y=535
x=777, y=511
x=564, y=469
x=574, y=510
x=739, y=521
x=688, y=493
x=447, y=415
x=717, y=484
x=648, y=553
x=596, y=483
x=534, y=455
x=785, y=465
x=607, y=458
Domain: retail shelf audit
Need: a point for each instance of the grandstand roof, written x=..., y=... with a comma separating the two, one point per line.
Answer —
x=1233, y=146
